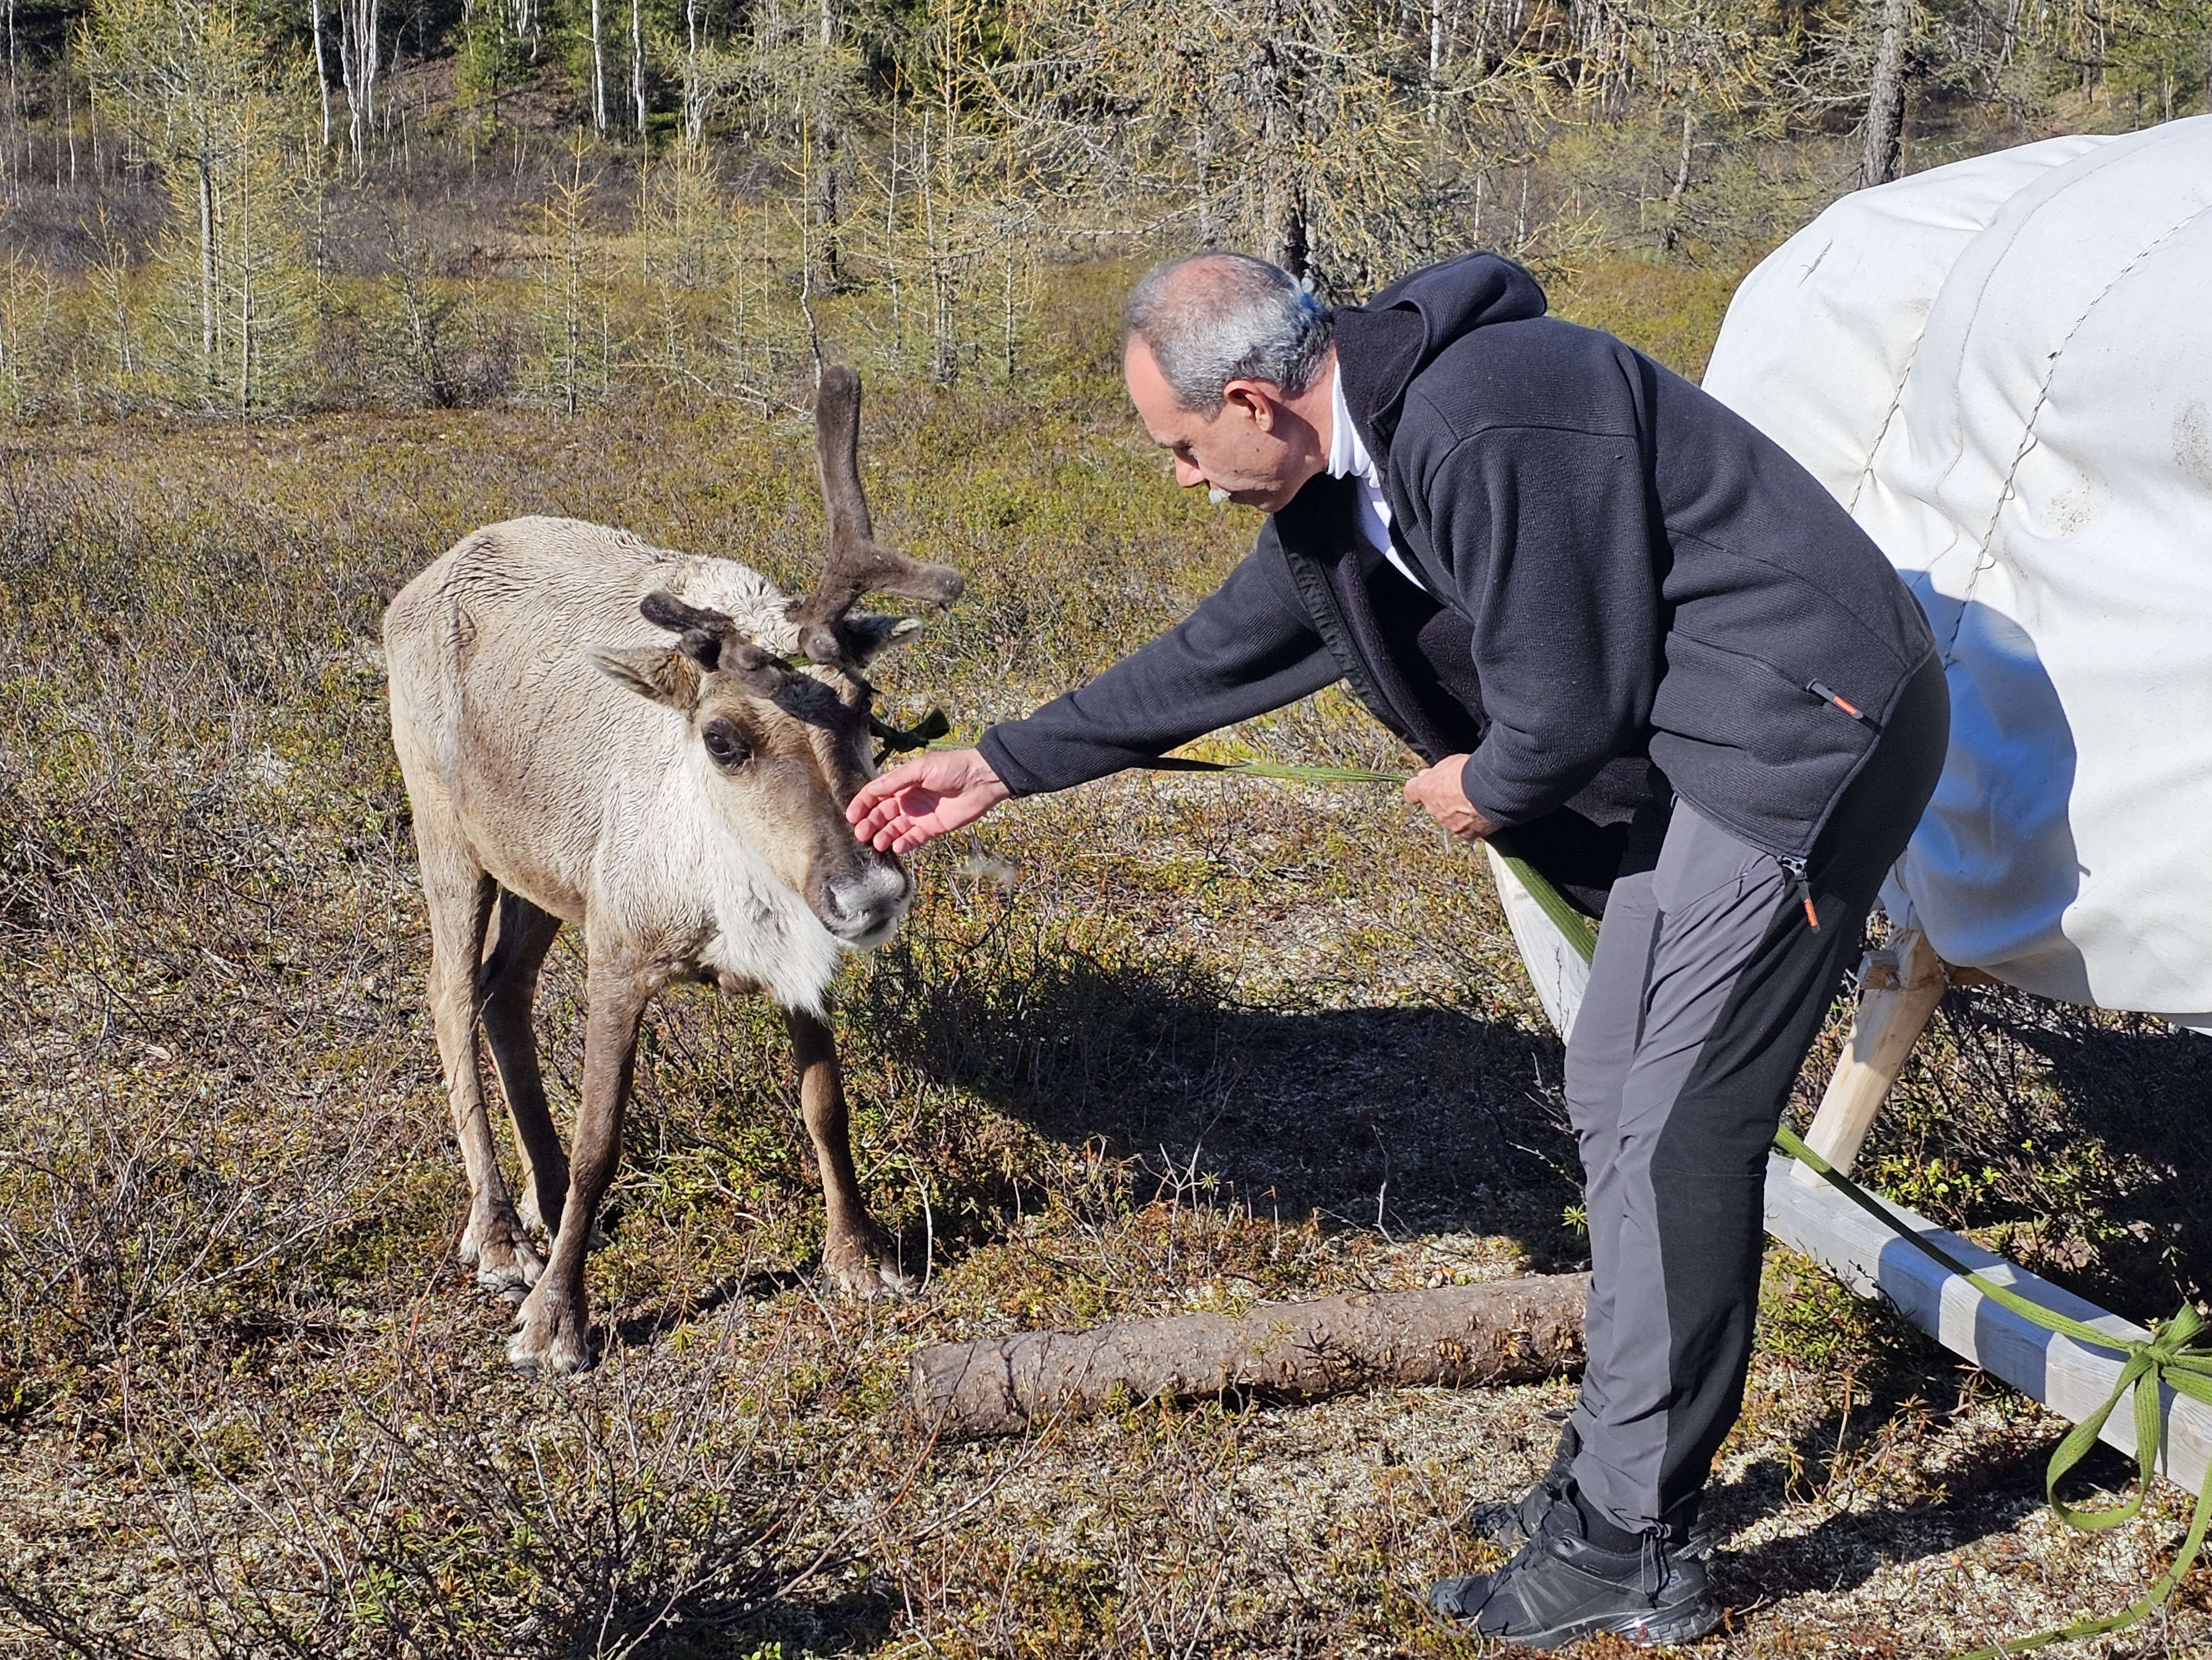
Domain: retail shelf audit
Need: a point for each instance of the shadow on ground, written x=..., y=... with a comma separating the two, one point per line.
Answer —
x=1421, y=1119
x=2080, y=1133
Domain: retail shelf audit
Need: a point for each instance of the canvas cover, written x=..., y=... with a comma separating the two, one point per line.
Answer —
x=2003, y=368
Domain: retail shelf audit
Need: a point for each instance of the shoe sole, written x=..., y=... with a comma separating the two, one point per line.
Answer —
x=1664, y=1627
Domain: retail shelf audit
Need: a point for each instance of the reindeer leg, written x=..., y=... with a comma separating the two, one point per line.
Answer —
x=553, y=1329
x=459, y=894
x=861, y=1258
x=509, y=989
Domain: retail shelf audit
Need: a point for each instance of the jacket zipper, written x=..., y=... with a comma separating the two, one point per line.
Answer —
x=1826, y=696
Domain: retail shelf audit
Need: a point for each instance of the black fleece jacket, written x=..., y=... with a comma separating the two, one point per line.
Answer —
x=1629, y=586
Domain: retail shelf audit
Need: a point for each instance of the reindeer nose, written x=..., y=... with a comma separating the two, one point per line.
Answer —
x=862, y=906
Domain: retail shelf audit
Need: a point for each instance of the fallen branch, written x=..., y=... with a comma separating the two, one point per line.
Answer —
x=1507, y=1331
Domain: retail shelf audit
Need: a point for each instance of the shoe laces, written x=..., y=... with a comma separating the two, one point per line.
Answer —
x=1651, y=1565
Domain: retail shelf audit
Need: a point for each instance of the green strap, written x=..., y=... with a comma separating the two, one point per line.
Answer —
x=2178, y=1355
x=1276, y=770
x=1581, y=932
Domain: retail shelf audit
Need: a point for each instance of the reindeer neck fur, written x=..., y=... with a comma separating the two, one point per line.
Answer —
x=670, y=854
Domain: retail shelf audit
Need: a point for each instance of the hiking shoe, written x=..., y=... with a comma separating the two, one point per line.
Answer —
x=1510, y=1526
x=1560, y=1587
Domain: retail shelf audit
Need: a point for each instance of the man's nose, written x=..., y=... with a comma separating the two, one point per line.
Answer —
x=1189, y=474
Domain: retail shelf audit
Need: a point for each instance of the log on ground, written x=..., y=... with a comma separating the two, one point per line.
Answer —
x=1506, y=1331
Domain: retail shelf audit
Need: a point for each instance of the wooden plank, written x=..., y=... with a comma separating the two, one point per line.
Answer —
x=1559, y=973
x=2070, y=1378
x=1899, y=986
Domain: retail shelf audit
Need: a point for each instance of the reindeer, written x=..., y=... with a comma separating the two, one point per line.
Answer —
x=597, y=731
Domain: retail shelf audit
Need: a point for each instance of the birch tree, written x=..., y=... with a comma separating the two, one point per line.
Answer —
x=186, y=79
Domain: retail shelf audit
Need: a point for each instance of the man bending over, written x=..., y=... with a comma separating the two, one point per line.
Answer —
x=1636, y=641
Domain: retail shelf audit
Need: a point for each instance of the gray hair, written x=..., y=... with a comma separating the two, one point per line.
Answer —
x=1211, y=318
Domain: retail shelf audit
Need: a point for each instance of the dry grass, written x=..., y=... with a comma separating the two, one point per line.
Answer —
x=1216, y=1040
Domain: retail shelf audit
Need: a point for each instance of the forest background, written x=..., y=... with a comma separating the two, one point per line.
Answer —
x=266, y=206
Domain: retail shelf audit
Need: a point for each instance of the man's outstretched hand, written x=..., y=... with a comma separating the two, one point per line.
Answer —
x=920, y=800
x=1439, y=789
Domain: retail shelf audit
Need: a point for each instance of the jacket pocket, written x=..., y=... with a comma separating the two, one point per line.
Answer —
x=1815, y=691
x=1718, y=697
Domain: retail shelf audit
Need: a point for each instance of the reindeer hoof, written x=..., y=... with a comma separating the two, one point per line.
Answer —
x=866, y=1270
x=498, y=1250
x=531, y=1215
x=551, y=1338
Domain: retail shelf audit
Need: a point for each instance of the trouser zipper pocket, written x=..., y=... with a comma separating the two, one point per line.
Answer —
x=1794, y=870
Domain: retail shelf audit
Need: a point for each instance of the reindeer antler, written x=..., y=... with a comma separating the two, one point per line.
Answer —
x=855, y=564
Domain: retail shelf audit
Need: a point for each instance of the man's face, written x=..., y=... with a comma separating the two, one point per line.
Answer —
x=1247, y=449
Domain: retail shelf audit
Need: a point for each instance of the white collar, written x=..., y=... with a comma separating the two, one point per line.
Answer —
x=1347, y=456
x=1348, y=459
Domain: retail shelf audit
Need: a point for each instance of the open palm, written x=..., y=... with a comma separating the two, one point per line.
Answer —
x=920, y=801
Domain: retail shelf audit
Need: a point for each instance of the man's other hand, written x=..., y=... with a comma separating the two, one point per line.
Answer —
x=1439, y=789
x=920, y=800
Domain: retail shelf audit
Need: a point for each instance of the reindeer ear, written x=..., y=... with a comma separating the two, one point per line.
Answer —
x=665, y=675
x=864, y=638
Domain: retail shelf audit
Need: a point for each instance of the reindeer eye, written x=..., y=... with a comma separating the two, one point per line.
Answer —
x=729, y=749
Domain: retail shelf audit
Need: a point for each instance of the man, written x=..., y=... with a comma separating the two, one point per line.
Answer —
x=1628, y=634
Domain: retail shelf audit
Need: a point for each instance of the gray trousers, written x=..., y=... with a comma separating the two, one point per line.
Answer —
x=1710, y=984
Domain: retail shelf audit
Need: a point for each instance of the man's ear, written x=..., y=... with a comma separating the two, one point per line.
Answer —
x=1255, y=400
x=665, y=675
x=866, y=637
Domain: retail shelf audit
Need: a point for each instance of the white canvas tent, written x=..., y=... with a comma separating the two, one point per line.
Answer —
x=2003, y=368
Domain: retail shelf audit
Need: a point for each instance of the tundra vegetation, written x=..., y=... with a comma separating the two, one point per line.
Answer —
x=294, y=299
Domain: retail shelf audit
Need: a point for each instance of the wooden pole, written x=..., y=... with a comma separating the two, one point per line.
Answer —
x=1502, y=1331
x=1899, y=986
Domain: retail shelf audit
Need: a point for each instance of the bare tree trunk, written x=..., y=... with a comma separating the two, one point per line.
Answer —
x=1204, y=148
x=245, y=287
x=358, y=22
x=637, y=65
x=695, y=93
x=1885, y=119
x=599, y=75
x=14, y=101
x=322, y=70
x=207, y=271
x=1291, y=251
x=1436, y=58
x=1504, y=1331
x=1673, y=233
